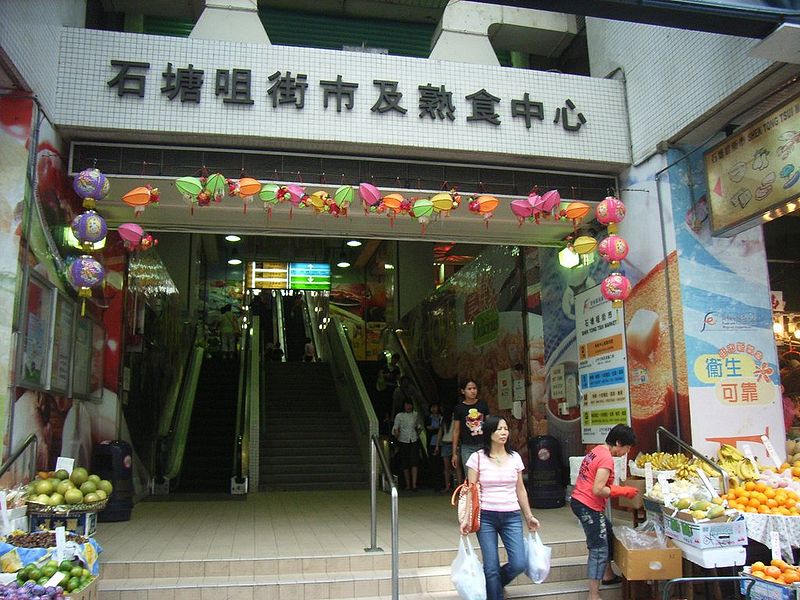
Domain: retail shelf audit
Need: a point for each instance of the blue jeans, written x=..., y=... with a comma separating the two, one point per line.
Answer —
x=599, y=535
x=509, y=526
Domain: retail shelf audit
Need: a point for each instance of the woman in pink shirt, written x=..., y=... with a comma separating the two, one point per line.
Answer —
x=499, y=468
x=593, y=487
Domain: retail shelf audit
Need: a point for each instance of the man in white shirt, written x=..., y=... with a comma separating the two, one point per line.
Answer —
x=407, y=426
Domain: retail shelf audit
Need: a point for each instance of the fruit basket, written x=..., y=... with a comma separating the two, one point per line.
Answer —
x=66, y=509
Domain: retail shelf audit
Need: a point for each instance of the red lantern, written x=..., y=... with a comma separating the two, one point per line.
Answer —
x=610, y=211
x=613, y=250
x=615, y=288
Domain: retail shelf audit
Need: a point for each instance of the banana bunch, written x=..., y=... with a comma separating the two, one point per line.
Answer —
x=737, y=465
x=690, y=469
x=663, y=461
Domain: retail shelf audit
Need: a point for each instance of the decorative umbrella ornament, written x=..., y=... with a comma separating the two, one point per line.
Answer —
x=246, y=188
x=131, y=235
x=319, y=202
x=522, y=209
x=140, y=197
x=610, y=212
x=91, y=185
x=85, y=273
x=484, y=206
x=422, y=210
x=272, y=194
x=370, y=196
x=189, y=187
x=215, y=186
x=615, y=288
x=613, y=250
x=89, y=228
x=342, y=198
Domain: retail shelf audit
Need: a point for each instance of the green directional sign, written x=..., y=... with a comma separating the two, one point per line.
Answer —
x=309, y=276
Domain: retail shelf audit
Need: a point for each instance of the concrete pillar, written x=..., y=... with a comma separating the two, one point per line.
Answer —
x=232, y=21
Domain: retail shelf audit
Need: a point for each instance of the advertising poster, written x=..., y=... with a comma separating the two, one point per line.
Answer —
x=727, y=313
x=602, y=365
x=61, y=361
x=36, y=331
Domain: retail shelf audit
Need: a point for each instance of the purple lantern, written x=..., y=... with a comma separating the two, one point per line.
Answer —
x=83, y=274
x=89, y=228
x=91, y=184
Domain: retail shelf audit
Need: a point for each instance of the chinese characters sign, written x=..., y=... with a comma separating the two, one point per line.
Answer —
x=754, y=171
x=602, y=365
x=739, y=374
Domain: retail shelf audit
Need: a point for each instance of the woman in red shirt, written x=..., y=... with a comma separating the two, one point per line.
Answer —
x=593, y=487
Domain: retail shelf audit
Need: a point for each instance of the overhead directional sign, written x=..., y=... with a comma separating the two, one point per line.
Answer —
x=309, y=276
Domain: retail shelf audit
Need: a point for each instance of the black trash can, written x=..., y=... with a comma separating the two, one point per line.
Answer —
x=113, y=460
x=546, y=476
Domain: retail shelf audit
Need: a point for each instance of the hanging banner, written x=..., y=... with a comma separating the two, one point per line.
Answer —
x=602, y=365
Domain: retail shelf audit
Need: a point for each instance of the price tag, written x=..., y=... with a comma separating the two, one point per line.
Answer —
x=775, y=545
x=61, y=543
x=55, y=579
x=66, y=463
x=707, y=483
x=771, y=451
x=648, y=478
x=662, y=479
x=748, y=452
x=4, y=511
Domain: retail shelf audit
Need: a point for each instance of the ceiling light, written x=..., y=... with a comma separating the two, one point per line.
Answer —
x=353, y=243
x=388, y=266
x=233, y=238
x=234, y=261
x=568, y=258
x=343, y=264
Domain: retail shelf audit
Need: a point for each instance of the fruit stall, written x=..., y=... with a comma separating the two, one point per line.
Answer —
x=47, y=550
x=712, y=509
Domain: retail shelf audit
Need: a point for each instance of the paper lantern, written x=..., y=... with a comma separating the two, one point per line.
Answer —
x=245, y=188
x=216, y=186
x=131, y=235
x=610, y=211
x=550, y=201
x=271, y=194
x=522, y=209
x=615, y=288
x=575, y=211
x=189, y=187
x=584, y=244
x=484, y=206
x=343, y=196
x=392, y=202
x=83, y=274
x=443, y=202
x=89, y=228
x=370, y=195
x=140, y=197
x=91, y=185
x=297, y=194
x=613, y=250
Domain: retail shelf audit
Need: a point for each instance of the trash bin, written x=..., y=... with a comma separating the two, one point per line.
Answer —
x=113, y=460
x=545, y=477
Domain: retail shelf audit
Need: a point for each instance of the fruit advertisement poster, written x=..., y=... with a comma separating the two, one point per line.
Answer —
x=730, y=349
x=602, y=366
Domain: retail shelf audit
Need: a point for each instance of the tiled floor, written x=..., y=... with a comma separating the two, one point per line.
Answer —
x=294, y=524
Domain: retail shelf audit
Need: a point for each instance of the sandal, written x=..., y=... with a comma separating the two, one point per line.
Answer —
x=613, y=581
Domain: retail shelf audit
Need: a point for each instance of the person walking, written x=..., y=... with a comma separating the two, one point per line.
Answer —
x=309, y=351
x=468, y=417
x=504, y=506
x=407, y=426
x=593, y=487
x=228, y=331
x=444, y=448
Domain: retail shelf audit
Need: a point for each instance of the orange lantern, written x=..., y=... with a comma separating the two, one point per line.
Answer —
x=140, y=197
x=575, y=211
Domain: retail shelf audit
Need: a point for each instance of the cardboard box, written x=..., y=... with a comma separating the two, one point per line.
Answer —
x=90, y=592
x=712, y=558
x=767, y=590
x=714, y=533
x=83, y=523
x=644, y=565
x=638, y=501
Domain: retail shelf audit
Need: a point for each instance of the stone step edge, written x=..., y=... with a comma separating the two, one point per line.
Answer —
x=131, y=584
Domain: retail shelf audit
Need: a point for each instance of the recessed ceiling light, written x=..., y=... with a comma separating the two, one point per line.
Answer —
x=343, y=264
x=353, y=243
x=234, y=261
x=233, y=238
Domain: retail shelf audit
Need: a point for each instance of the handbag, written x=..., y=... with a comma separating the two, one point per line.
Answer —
x=467, y=500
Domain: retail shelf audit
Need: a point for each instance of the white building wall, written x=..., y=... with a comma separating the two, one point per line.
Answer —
x=673, y=76
x=30, y=31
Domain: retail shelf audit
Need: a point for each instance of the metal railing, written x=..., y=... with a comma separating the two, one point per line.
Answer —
x=375, y=454
x=665, y=594
x=723, y=475
x=248, y=393
x=31, y=439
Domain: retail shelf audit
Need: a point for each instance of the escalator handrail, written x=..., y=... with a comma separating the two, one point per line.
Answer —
x=31, y=439
x=184, y=415
x=245, y=397
x=409, y=370
x=312, y=326
x=167, y=422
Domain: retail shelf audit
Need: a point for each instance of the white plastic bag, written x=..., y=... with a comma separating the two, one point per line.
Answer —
x=466, y=572
x=538, y=558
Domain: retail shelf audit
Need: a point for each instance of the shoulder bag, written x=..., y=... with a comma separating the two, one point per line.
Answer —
x=467, y=500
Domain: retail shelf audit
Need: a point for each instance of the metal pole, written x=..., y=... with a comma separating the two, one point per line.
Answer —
x=373, y=498
x=395, y=553
x=692, y=580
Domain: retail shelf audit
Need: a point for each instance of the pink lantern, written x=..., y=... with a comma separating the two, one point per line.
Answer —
x=613, y=250
x=610, y=211
x=522, y=209
x=297, y=194
x=550, y=201
x=615, y=288
x=370, y=195
x=131, y=235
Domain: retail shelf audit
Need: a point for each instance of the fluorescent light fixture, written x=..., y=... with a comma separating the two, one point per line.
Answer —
x=568, y=258
x=234, y=261
x=72, y=241
x=233, y=238
x=343, y=264
x=353, y=243
x=388, y=266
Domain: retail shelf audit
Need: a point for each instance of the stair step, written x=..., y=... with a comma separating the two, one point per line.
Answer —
x=315, y=470
x=307, y=478
x=302, y=461
x=314, y=451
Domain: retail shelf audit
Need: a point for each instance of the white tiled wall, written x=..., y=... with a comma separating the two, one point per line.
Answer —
x=84, y=99
x=29, y=34
x=672, y=76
